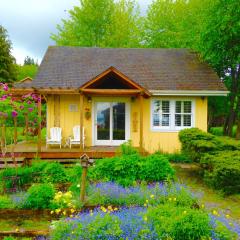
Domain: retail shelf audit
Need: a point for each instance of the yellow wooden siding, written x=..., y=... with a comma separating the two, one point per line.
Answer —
x=153, y=140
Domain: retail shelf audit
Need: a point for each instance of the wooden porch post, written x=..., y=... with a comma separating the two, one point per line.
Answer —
x=141, y=123
x=39, y=104
x=81, y=120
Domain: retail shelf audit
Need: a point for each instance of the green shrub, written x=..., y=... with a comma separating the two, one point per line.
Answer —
x=155, y=167
x=74, y=174
x=195, y=143
x=128, y=149
x=222, y=171
x=54, y=173
x=6, y=202
x=126, y=169
x=177, y=158
x=25, y=175
x=181, y=223
x=39, y=196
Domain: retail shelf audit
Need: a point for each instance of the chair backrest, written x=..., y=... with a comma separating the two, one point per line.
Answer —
x=56, y=134
x=76, y=133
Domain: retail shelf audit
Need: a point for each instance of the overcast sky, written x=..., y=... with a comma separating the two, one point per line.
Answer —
x=30, y=22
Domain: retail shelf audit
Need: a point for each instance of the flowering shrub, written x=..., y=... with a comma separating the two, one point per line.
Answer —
x=63, y=204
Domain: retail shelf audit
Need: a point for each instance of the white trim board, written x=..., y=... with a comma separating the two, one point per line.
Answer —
x=188, y=93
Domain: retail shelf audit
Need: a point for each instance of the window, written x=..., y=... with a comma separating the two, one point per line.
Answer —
x=172, y=115
x=73, y=108
x=161, y=114
x=183, y=114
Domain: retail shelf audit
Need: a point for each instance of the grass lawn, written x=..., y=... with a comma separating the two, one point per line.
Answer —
x=188, y=174
x=218, y=131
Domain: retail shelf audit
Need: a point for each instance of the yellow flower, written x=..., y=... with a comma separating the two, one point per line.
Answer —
x=103, y=209
x=145, y=219
x=203, y=206
x=72, y=210
x=227, y=216
x=17, y=230
x=215, y=213
x=64, y=213
x=109, y=208
x=147, y=201
x=170, y=199
x=185, y=212
x=152, y=196
x=144, y=204
x=57, y=211
x=115, y=209
x=71, y=216
x=175, y=199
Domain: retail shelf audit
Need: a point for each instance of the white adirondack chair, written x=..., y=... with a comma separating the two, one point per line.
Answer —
x=55, y=137
x=77, y=139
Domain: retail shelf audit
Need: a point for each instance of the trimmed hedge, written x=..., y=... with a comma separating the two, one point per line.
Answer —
x=218, y=156
x=222, y=171
x=195, y=143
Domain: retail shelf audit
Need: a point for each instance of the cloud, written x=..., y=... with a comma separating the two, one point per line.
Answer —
x=30, y=23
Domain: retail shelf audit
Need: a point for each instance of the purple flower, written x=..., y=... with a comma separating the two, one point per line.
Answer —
x=30, y=109
x=21, y=107
x=29, y=102
x=14, y=113
x=5, y=87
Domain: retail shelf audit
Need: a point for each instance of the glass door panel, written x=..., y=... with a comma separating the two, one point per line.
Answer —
x=118, y=113
x=103, y=121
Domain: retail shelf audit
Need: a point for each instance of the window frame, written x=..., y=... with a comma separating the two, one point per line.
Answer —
x=172, y=105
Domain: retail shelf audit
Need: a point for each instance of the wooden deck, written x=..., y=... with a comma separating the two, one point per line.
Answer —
x=28, y=150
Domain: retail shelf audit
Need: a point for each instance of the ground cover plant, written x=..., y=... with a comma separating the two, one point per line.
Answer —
x=169, y=214
x=215, y=155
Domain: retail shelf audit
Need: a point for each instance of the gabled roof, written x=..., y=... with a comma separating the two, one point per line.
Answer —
x=152, y=69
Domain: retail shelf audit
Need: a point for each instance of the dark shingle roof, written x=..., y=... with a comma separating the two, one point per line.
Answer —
x=154, y=69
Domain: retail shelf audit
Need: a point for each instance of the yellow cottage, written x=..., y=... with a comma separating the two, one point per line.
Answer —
x=115, y=95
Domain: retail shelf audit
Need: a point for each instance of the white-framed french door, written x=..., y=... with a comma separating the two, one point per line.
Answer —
x=111, y=123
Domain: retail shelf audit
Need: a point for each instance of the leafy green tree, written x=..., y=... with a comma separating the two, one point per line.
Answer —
x=26, y=71
x=173, y=23
x=100, y=23
x=126, y=25
x=7, y=61
x=220, y=45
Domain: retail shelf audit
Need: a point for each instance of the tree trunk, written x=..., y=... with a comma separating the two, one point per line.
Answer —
x=230, y=120
x=238, y=119
x=238, y=129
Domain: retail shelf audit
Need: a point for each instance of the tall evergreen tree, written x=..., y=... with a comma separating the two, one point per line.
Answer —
x=29, y=61
x=7, y=61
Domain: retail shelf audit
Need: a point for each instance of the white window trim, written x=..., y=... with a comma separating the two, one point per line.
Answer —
x=172, y=127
